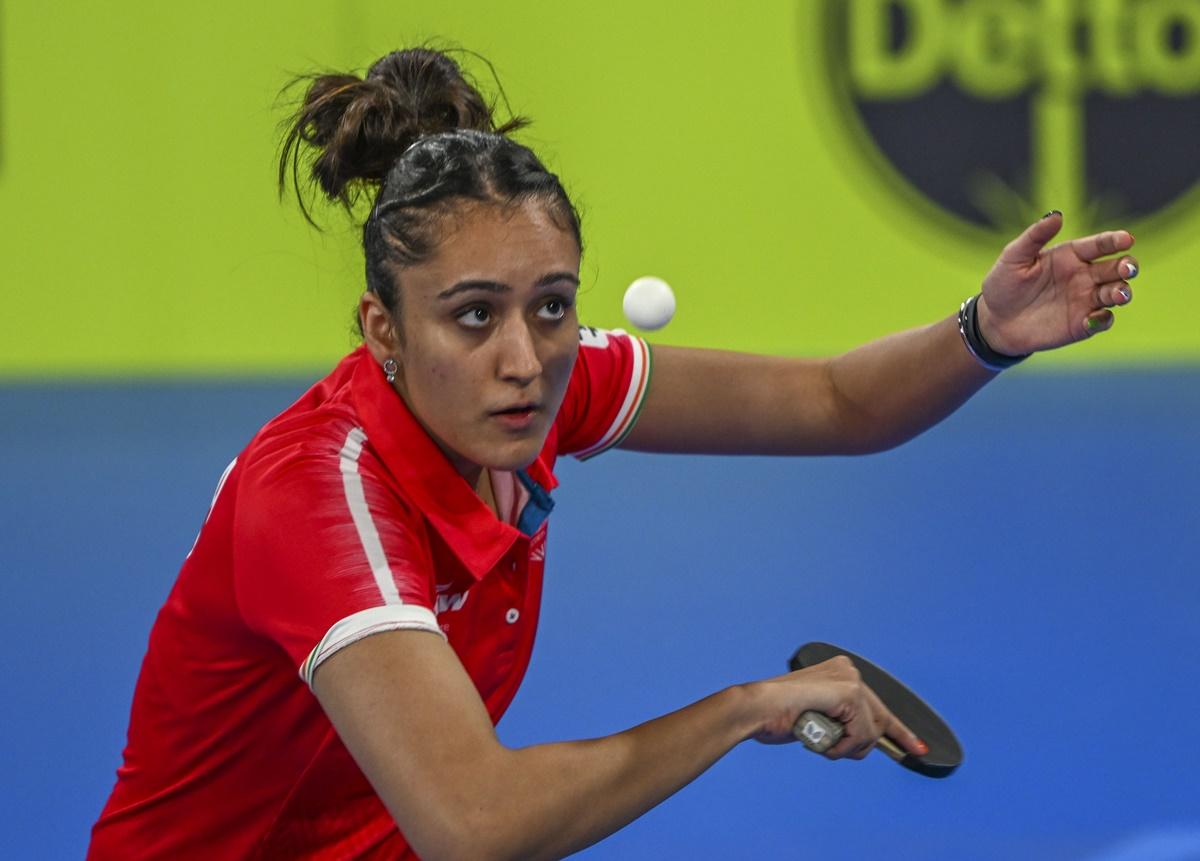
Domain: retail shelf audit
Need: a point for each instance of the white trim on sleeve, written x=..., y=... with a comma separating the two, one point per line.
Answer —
x=364, y=623
x=394, y=615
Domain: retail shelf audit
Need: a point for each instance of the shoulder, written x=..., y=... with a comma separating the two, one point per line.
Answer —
x=606, y=391
x=315, y=434
x=315, y=470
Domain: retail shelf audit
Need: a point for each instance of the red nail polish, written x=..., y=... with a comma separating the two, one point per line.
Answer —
x=922, y=747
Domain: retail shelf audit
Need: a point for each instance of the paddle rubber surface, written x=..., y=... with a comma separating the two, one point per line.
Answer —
x=945, y=753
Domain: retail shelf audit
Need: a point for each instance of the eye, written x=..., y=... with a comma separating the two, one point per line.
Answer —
x=475, y=317
x=554, y=309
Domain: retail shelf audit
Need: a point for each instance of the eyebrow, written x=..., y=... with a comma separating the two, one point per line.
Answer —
x=499, y=287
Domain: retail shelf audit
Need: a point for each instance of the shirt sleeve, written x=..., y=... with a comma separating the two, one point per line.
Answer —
x=605, y=393
x=325, y=553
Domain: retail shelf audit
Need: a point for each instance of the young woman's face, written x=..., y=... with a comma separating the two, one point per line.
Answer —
x=489, y=335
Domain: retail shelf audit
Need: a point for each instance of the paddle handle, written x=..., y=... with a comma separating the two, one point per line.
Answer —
x=819, y=732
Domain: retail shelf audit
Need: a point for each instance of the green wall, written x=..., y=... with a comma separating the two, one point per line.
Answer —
x=140, y=230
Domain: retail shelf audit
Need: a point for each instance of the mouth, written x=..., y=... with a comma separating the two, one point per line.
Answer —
x=518, y=416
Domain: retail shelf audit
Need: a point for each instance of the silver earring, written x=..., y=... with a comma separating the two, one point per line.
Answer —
x=389, y=369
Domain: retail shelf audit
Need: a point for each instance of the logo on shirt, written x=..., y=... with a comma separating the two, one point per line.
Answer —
x=537, y=545
x=447, y=600
x=590, y=336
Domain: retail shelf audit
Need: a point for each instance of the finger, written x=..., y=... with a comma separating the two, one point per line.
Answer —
x=862, y=729
x=898, y=731
x=1119, y=293
x=870, y=722
x=862, y=751
x=1102, y=244
x=1096, y=322
x=850, y=747
x=1114, y=269
x=1025, y=248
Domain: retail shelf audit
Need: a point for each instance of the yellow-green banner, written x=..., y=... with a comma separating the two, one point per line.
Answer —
x=807, y=174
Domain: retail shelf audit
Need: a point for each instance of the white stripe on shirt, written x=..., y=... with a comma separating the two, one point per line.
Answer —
x=363, y=522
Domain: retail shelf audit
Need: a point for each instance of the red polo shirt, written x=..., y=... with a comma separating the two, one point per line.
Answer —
x=341, y=519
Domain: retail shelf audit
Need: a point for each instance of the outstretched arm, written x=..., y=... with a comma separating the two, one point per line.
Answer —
x=410, y=716
x=888, y=391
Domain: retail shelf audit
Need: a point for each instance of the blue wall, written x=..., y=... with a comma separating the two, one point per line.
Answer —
x=1030, y=566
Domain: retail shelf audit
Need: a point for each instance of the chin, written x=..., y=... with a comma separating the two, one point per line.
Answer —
x=514, y=462
x=515, y=455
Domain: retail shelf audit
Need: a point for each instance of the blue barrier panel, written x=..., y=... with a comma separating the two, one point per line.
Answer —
x=1030, y=566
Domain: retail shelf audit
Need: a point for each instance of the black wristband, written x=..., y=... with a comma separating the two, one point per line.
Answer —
x=968, y=327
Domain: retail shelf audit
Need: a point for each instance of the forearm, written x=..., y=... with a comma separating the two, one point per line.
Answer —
x=412, y=719
x=550, y=800
x=892, y=389
x=456, y=792
x=869, y=399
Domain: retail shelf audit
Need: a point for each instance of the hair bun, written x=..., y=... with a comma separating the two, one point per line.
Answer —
x=432, y=89
x=356, y=128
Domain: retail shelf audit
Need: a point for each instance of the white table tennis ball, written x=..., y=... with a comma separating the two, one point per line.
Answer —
x=649, y=303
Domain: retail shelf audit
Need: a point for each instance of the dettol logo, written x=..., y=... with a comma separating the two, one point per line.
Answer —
x=996, y=110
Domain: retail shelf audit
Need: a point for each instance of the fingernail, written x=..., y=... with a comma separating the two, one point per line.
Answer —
x=1052, y=212
x=1131, y=269
x=922, y=747
x=1091, y=324
x=1124, y=294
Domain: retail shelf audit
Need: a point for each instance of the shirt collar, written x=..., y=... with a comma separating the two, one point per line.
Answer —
x=470, y=529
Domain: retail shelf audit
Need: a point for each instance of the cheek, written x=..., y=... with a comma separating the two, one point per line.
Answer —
x=440, y=373
x=442, y=397
x=561, y=363
x=429, y=364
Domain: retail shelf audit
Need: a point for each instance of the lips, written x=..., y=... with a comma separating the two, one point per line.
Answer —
x=516, y=408
x=518, y=416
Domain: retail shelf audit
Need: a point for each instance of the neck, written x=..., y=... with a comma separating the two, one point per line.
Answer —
x=483, y=487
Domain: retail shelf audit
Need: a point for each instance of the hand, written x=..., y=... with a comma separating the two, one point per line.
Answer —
x=1038, y=298
x=836, y=689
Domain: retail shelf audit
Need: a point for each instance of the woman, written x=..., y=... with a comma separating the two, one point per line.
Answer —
x=360, y=605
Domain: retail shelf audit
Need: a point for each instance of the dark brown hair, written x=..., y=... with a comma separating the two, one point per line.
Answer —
x=422, y=140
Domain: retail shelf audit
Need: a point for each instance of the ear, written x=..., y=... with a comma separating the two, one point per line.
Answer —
x=378, y=326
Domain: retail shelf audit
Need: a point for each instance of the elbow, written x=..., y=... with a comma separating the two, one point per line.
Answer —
x=480, y=841
x=485, y=828
x=457, y=846
x=461, y=838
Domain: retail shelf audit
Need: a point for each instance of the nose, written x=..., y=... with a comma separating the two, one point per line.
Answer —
x=518, y=360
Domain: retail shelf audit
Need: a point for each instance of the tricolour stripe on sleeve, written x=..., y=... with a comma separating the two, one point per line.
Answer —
x=364, y=623
x=363, y=522
x=635, y=394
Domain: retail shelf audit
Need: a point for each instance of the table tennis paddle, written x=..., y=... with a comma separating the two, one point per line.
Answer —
x=819, y=732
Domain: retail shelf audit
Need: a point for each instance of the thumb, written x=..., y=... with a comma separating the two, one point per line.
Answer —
x=1026, y=247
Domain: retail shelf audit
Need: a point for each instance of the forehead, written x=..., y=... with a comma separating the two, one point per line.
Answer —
x=504, y=243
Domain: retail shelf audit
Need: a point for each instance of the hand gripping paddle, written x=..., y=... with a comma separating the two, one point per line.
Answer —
x=820, y=732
